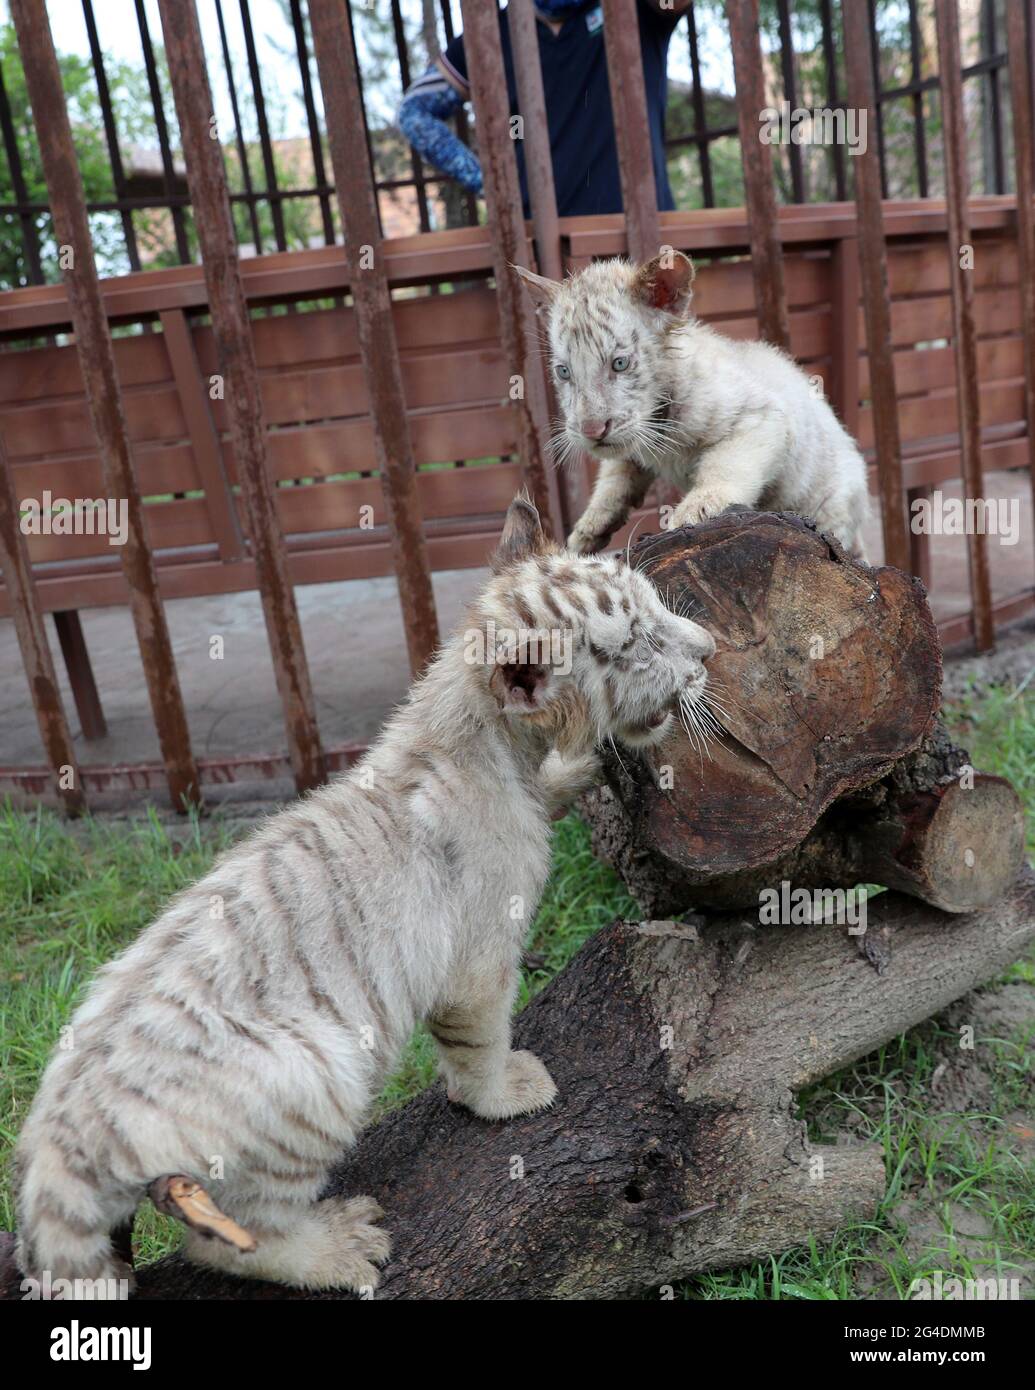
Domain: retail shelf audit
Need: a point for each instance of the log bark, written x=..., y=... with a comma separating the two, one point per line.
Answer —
x=674, y=1146
x=828, y=766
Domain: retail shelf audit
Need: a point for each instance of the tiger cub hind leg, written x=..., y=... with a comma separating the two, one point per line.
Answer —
x=333, y=1244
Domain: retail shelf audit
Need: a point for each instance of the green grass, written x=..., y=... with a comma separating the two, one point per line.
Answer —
x=961, y=1187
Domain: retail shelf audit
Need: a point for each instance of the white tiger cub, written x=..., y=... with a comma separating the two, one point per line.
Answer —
x=254, y=1022
x=652, y=392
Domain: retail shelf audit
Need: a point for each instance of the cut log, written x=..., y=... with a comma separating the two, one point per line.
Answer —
x=674, y=1146
x=828, y=767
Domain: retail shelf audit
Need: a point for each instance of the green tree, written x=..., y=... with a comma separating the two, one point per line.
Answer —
x=134, y=123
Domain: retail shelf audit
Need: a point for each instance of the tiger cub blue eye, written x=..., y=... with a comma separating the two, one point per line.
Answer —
x=563, y=372
x=619, y=364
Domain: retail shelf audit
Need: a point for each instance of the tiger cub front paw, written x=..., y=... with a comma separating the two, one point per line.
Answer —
x=699, y=506
x=589, y=535
x=525, y=1086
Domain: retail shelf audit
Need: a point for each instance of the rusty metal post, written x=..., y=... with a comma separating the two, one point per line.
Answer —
x=964, y=332
x=364, y=253
x=1024, y=154
x=32, y=639
x=542, y=194
x=757, y=162
x=873, y=270
x=632, y=128
x=231, y=328
x=509, y=247
x=528, y=74
x=97, y=359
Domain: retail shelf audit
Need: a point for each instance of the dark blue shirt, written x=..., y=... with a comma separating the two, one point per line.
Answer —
x=578, y=105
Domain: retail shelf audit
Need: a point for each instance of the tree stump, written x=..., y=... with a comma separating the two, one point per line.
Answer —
x=829, y=767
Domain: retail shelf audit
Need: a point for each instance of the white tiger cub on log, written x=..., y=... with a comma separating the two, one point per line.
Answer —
x=248, y=1030
x=652, y=392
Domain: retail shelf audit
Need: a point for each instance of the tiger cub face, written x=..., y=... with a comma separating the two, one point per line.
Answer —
x=587, y=634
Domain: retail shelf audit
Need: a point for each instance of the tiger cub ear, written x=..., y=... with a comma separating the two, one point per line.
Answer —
x=522, y=536
x=541, y=290
x=665, y=282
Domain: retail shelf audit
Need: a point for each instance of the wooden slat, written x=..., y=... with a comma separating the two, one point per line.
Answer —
x=919, y=371
x=208, y=456
x=364, y=250
x=938, y=414
x=206, y=180
x=954, y=140
x=368, y=555
x=463, y=253
x=93, y=341
x=36, y=658
x=844, y=332
x=80, y=674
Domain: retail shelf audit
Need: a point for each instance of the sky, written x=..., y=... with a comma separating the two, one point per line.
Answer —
x=117, y=28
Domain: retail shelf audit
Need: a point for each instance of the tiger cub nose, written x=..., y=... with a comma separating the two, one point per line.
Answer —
x=595, y=429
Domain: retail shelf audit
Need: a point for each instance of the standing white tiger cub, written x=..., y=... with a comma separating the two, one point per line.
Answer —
x=651, y=392
x=251, y=1026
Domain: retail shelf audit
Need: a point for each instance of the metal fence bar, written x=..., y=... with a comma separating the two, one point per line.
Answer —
x=242, y=148
x=30, y=241
x=700, y=112
x=312, y=123
x=756, y=158
x=403, y=53
x=878, y=105
x=994, y=95
x=97, y=359
x=361, y=112
x=509, y=247
x=463, y=125
x=528, y=75
x=542, y=194
x=35, y=649
x=1024, y=175
x=118, y=176
x=231, y=329
x=837, y=153
x=632, y=128
x=988, y=70
x=964, y=335
x=336, y=66
x=790, y=92
x=265, y=143
x=158, y=106
x=873, y=269
x=919, y=133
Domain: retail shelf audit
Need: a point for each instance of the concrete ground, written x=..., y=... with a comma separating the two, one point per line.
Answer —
x=354, y=640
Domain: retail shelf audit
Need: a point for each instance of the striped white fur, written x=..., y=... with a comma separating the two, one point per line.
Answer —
x=726, y=421
x=241, y=1039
